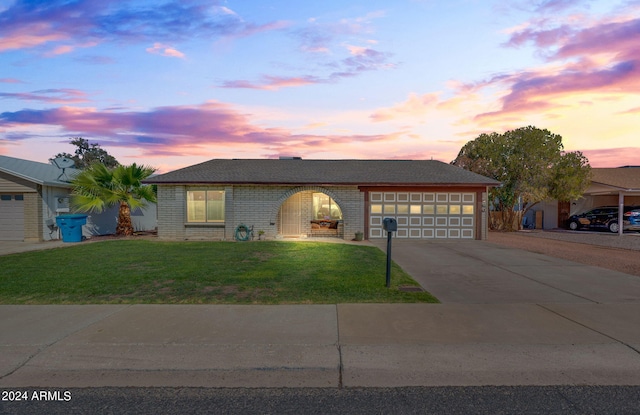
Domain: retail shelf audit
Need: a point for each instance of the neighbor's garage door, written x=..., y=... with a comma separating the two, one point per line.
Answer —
x=423, y=215
x=11, y=217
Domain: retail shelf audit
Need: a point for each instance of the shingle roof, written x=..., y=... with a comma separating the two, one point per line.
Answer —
x=36, y=172
x=319, y=172
x=627, y=178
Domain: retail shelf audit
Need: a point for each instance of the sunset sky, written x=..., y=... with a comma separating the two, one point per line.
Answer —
x=177, y=82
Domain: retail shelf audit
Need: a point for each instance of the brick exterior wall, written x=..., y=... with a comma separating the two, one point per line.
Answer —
x=33, y=216
x=257, y=206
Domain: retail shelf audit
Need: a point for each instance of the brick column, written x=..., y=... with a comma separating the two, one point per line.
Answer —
x=33, y=222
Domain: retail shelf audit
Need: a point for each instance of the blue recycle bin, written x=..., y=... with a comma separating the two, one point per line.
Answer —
x=71, y=226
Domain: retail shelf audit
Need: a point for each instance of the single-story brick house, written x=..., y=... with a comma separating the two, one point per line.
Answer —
x=292, y=197
x=32, y=194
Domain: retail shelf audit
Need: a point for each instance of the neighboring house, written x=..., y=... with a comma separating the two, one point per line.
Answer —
x=609, y=187
x=32, y=194
x=291, y=197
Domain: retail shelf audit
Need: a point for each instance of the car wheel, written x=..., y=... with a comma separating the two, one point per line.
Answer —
x=613, y=227
x=573, y=226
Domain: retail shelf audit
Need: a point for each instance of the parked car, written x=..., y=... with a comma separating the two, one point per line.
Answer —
x=605, y=217
x=631, y=218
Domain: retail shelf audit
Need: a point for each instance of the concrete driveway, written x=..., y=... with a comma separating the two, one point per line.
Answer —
x=479, y=272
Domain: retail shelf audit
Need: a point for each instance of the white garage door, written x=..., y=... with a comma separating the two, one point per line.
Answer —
x=423, y=215
x=11, y=217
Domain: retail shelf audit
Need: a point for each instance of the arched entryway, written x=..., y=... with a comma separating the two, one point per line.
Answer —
x=310, y=212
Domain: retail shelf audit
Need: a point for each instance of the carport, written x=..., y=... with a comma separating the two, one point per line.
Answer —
x=622, y=183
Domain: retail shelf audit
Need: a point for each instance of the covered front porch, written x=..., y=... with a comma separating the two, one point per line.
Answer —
x=310, y=214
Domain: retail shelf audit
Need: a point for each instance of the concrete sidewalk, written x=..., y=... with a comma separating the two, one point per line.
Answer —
x=346, y=345
x=16, y=247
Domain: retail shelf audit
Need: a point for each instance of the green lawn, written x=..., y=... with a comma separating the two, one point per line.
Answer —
x=146, y=271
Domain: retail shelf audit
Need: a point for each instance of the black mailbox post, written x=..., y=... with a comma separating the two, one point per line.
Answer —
x=390, y=225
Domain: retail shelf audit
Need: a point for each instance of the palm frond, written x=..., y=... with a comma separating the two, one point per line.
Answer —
x=99, y=187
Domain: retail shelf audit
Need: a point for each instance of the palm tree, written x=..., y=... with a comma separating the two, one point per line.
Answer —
x=99, y=187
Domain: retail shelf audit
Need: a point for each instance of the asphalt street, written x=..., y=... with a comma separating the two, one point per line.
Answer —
x=490, y=400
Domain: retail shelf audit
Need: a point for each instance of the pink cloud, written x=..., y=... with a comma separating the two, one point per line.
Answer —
x=606, y=37
x=165, y=50
x=53, y=96
x=613, y=157
x=322, y=37
x=177, y=130
x=364, y=60
x=357, y=50
x=600, y=59
x=27, y=25
x=415, y=106
x=272, y=83
x=29, y=36
x=319, y=36
x=11, y=81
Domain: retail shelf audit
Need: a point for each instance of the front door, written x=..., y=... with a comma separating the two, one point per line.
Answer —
x=563, y=213
x=290, y=216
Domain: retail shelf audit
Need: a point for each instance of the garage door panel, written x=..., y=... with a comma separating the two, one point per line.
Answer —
x=428, y=233
x=424, y=215
x=11, y=217
x=429, y=197
x=467, y=233
x=415, y=233
x=428, y=221
x=375, y=233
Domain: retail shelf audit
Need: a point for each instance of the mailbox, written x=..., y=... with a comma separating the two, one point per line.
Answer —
x=390, y=224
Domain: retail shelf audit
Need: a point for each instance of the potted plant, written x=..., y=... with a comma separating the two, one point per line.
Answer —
x=260, y=235
x=359, y=236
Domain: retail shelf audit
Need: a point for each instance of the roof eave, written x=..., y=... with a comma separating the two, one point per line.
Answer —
x=283, y=183
x=614, y=187
x=21, y=176
x=58, y=184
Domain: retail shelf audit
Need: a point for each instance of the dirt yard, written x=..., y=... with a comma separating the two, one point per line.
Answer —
x=599, y=249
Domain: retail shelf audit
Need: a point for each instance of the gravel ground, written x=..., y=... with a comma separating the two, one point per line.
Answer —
x=618, y=253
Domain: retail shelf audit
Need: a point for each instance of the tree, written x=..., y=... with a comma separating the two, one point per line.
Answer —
x=88, y=153
x=98, y=187
x=532, y=167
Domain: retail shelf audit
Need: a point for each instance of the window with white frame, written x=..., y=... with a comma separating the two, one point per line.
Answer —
x=205, y=206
